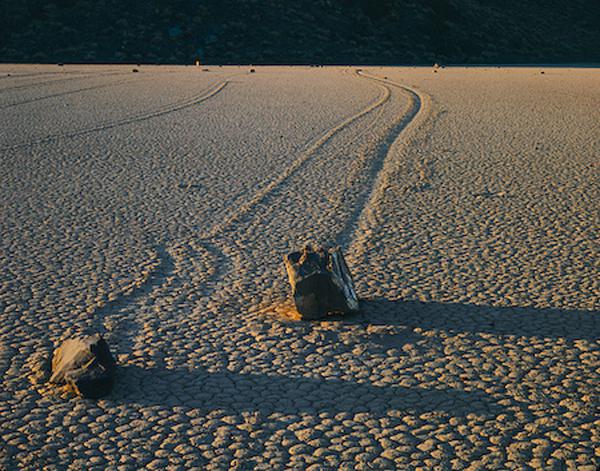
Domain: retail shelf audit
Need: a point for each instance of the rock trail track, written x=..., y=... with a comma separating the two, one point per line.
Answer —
x=72, y=91
x=61, y=80
x=159, y=282
x=170, y=108
x=183, y=273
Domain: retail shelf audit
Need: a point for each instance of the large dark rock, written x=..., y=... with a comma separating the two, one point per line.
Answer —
x=321, y=283
x=85, y=365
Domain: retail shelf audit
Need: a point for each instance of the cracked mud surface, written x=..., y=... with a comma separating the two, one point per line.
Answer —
x=156, y=208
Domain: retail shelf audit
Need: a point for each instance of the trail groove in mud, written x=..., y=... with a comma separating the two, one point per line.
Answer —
x=197, y=99
x=399, y=136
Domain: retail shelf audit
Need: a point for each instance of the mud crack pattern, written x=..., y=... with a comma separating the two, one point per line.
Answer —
x=157, y=209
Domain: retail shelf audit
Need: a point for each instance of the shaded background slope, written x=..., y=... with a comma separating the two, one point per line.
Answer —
x=302, y=31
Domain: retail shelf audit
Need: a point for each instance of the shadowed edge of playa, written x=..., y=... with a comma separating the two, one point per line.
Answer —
x=236, y=392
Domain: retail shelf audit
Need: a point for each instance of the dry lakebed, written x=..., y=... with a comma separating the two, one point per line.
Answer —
x=156, y=208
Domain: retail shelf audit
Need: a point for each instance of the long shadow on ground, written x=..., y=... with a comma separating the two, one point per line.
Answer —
x=238, y=392
x=457, y=318
x=268, y=393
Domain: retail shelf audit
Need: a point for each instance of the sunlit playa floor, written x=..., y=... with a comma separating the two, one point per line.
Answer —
x=156, y=207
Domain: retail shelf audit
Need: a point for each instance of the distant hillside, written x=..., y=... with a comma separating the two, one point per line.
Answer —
x=301, y=31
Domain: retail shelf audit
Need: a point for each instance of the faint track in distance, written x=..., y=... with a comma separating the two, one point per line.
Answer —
x=81, y=76
x=70, y=92
x=173, y=107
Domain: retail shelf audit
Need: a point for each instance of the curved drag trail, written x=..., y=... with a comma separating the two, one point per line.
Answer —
x=123, y=306
x=81, y=76
x=221, y=238
x=161, y=111
x=327, y=210
x=400, y=137
x=297, y=164
x=155, y=282
x=70, y=92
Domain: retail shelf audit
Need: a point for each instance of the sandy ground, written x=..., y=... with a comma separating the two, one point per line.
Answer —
x=155, y=207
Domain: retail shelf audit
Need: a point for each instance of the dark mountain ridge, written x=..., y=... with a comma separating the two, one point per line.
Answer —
x=301, y=32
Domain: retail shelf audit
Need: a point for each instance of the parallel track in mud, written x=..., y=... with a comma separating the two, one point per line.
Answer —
x=298, y=163
x=165, y=271
x=399, y=136
x=166, y=267
x=361, y=217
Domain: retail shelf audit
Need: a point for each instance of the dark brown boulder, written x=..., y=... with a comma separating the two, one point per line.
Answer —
x=85, y=365
x=321, y=283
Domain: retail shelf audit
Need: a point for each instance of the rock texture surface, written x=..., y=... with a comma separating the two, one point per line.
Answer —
x=85, y=365
x=321, y=283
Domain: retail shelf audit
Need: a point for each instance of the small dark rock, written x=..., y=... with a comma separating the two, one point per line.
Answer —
x=85, y=365
x=252, y=71
x=321, y=283
x=135, y=70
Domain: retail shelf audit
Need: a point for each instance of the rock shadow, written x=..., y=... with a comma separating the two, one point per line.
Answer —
x=388, y=324
x=456, y=318
x=237, y=392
